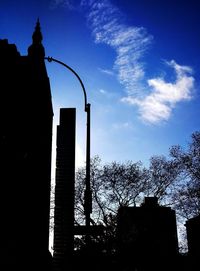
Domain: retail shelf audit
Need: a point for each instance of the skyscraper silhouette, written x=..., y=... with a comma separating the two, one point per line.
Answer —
x=26, y=116
x=64, y=190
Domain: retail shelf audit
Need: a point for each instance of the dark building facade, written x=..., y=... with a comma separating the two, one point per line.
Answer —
x=147, y=236
x=26, y=116
x=193, y=238
x=64, y=190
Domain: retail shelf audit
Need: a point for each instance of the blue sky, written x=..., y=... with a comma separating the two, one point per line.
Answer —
x=139, y=62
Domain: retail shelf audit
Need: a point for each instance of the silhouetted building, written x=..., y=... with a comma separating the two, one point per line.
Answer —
x=193, y=238
x=26, y=141
x=64, y=190
x=147, y=236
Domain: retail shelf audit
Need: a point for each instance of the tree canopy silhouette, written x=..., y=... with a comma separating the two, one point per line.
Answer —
x=173, y=179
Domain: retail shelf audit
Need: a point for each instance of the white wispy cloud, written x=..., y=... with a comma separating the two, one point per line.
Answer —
x=108, y=94
x=129, y=43
x=102, y=91
x=158, y=105
x=106, y=71
x=122, y=126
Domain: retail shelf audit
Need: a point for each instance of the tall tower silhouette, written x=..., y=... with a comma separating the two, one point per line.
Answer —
x=26, y=116
x=64, y=190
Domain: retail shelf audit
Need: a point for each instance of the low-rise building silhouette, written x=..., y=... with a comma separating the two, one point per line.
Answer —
x=147, y=235
x=193, y=238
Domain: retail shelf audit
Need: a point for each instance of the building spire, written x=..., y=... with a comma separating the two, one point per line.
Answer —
x=36, y=49
x=37, y=35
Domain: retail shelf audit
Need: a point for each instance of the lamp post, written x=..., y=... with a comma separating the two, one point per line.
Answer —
x=88, y=193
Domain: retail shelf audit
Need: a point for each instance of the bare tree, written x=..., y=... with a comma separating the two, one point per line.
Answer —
x=113, y=185
x=188, y=187
x=163, y=176
x=174, y=180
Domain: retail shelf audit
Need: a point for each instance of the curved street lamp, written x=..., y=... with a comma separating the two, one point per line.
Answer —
x=88, y=193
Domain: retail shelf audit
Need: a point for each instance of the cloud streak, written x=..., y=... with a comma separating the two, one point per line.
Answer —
x=106, y=71
x=129, y=43
x=122, y=126
x=158, y=105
